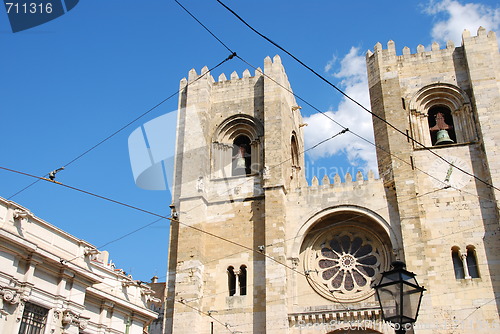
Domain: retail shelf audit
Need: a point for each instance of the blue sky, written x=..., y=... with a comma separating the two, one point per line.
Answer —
x=68, y=84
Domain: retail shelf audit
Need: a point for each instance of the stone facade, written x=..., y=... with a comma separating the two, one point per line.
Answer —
x=52, y=282
x=258, y=250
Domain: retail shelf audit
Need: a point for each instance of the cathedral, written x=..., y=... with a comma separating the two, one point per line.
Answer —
x=256, y=249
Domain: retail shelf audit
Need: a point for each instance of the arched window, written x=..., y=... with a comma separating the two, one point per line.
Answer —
x=243, y=280
x=237, y=147
x=472, y=262
x=242, y=156
x=458, y=265
x=441, y=126
x=231, y=280
x=295, y=153
x=439, y=111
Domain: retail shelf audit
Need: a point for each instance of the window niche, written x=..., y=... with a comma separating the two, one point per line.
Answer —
x=472, y=262
x=441, y=126
x=236, y=147
x=242, y=156
x=465, y=264
x=237, y=281
x=441, y=114
x=295, y=152
x=458, y=265
x=294, y=147
x=231, y=280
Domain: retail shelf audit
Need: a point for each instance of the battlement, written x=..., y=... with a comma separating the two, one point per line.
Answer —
x=273, y=68
x=359, y=177
x=482, y=37
x=337, y=185
x=357, y=190
x=193, y=75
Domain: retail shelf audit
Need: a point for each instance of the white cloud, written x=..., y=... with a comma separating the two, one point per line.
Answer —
x=458, y=16
x=330, y=63
x=354, y=82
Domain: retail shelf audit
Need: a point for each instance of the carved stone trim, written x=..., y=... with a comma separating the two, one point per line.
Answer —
x=10, y=295
x=335, y=317
x=71, y=318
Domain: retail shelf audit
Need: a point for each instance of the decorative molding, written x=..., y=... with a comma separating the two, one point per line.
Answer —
x=71, y=318
x=371, y=315
x=10, y=295
x=16, y=294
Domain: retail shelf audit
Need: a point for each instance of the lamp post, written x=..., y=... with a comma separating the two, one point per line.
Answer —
x=399, y=296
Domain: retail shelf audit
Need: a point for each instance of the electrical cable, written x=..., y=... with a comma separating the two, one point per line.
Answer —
x=361, y=137
x=476, y=308
x=134, y=121
x=445, y=185
x=134, y=207
x=323, y=113
x=144, y=210
x=148, y=212
x=213, y=35
x=351, y=99
x=231, y=56
x=164, y=217
x=208, y=314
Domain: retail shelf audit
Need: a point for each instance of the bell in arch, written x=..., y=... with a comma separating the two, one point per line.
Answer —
x=442, y=135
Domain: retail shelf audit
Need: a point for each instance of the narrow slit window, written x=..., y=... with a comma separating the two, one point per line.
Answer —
x=243, y=280
x=472, y=262
x=231, y=280
x=458, y=265
x=295, y=152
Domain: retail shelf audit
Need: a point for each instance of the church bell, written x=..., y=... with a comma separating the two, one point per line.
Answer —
x=442, y=137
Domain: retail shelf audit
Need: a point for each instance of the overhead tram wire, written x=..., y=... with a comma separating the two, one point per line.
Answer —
x=361, y=137
x=231, y=56
x=144, y=211
x=445, y=187
x=200, y=230
x=226, y=325
x=327, y=116
x=163, y=217
x=208, y=30
x=352, y=99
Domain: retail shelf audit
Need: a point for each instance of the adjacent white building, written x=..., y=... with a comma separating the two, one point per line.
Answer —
x=53, y=282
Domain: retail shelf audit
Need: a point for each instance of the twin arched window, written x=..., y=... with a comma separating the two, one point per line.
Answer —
x=237, y=281
x=465, y=264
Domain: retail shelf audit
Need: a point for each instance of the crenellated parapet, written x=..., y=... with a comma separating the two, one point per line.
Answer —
x=272, y=68
x=273, y=72
x=351, y=186
x=206, y=75
x=435, y=52
x=414, y=72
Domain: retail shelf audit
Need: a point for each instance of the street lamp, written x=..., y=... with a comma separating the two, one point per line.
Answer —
x=399, y=296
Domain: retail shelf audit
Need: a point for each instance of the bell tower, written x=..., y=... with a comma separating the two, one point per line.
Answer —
x=236, y=158
x=446, y=101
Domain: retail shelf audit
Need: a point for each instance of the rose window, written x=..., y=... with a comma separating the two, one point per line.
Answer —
x=344, y=264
